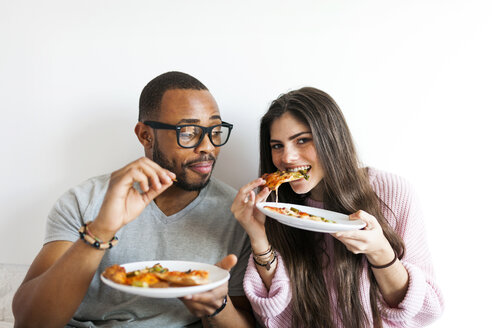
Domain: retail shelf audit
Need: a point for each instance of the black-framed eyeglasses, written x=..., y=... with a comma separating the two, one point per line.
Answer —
x=191, y=135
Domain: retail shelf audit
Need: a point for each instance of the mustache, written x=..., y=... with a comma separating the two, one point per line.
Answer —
x=208, y=157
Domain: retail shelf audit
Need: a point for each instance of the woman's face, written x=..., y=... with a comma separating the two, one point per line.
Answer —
x=292, y=146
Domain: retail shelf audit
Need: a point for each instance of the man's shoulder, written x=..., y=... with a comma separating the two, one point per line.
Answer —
x=92, y=186
x=86, y=192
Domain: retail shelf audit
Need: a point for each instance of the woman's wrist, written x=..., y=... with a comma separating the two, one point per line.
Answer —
x=382, y=256
x=260, y=245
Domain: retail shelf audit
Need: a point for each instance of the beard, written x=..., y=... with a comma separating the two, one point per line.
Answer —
x=181, y=176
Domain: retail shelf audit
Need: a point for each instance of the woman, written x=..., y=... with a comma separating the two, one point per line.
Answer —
x=380, y=276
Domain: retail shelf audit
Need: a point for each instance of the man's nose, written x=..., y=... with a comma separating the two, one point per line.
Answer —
x=206, y=145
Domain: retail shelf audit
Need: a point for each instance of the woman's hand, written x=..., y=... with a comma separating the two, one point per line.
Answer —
x=245, y=211
x=369, y=241
x=122, y=202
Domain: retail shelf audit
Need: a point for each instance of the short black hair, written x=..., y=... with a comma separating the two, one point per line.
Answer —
x=151, y=96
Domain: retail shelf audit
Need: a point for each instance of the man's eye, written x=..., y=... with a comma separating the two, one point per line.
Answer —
x=187, y=135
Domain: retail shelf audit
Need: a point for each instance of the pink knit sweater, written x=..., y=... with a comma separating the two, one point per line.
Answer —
x=423, y=302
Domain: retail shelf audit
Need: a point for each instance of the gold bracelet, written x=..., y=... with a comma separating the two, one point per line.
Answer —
x=264, y=253
x=265, y=262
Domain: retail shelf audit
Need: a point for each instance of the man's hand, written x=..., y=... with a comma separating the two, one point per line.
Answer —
x=123, y=203
x=206, y=303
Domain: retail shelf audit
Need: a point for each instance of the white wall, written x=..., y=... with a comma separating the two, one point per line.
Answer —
x=413, y=78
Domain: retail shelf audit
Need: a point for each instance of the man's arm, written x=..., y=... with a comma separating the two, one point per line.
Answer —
x=236, y=313
x=55, y=284
x=61, y=274
x=239, y=314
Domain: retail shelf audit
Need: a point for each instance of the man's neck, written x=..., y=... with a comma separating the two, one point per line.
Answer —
x=174, y=200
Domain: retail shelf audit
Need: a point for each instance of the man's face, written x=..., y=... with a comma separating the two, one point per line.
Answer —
x=192, y=166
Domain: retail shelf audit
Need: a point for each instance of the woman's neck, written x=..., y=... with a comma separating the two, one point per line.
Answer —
x=317, y=193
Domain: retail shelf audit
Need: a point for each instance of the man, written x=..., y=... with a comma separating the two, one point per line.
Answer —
x=153, y=217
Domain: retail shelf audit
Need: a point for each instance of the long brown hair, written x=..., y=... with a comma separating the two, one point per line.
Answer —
x=346, y=189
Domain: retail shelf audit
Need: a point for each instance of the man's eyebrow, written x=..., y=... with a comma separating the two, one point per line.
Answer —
x=188, y=120
x=194, y=120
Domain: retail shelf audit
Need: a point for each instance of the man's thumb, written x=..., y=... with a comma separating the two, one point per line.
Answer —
x=228, y=262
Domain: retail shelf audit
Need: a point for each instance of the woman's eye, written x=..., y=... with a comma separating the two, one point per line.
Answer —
x=276, y=146
x=303, y=140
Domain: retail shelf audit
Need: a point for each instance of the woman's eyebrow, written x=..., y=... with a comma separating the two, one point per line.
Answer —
x=292, y=136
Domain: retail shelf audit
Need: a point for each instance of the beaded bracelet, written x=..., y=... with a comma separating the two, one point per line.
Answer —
x=93, y=241
x=384, y=266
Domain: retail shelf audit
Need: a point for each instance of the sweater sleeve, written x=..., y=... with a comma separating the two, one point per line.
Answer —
x=271, y=307
x=423, y=302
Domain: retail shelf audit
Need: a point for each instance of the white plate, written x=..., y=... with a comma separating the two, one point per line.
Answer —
x=342, y=221
x=216, y=277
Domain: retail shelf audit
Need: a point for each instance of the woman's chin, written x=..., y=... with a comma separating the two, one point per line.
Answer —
x=301, y=189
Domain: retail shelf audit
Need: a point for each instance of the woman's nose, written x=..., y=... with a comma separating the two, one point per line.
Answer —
x=290, y=155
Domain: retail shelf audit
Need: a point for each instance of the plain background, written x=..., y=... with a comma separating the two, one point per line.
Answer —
x=412, y=77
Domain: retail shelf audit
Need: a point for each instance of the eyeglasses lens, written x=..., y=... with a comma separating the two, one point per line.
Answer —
x=219, y=135
x=191, y=136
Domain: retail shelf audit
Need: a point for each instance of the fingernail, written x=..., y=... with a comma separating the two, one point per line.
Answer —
x=187, y=297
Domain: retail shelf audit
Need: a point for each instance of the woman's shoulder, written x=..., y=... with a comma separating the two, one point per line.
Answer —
x=384, y=179
x=390, y=187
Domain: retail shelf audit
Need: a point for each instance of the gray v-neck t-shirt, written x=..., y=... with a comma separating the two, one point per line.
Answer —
x=204, y=231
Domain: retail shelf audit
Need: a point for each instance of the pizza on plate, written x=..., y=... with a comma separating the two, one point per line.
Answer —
x=186, y=278
x=155, y=277
x=294, y=212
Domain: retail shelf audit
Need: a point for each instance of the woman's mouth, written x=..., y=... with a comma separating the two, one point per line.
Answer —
x=299, y=168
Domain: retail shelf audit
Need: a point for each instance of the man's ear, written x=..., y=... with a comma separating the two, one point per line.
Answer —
x=145, y=135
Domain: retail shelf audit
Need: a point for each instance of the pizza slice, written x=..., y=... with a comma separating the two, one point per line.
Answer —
x=275, y=179
x=184, y=278
x=304, y=215
x=155, y=277
x=116, y=273
x=143, y=280
x=280, y=210
x=294, y=212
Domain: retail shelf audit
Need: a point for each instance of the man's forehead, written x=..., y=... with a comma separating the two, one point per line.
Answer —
x=188, y=105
